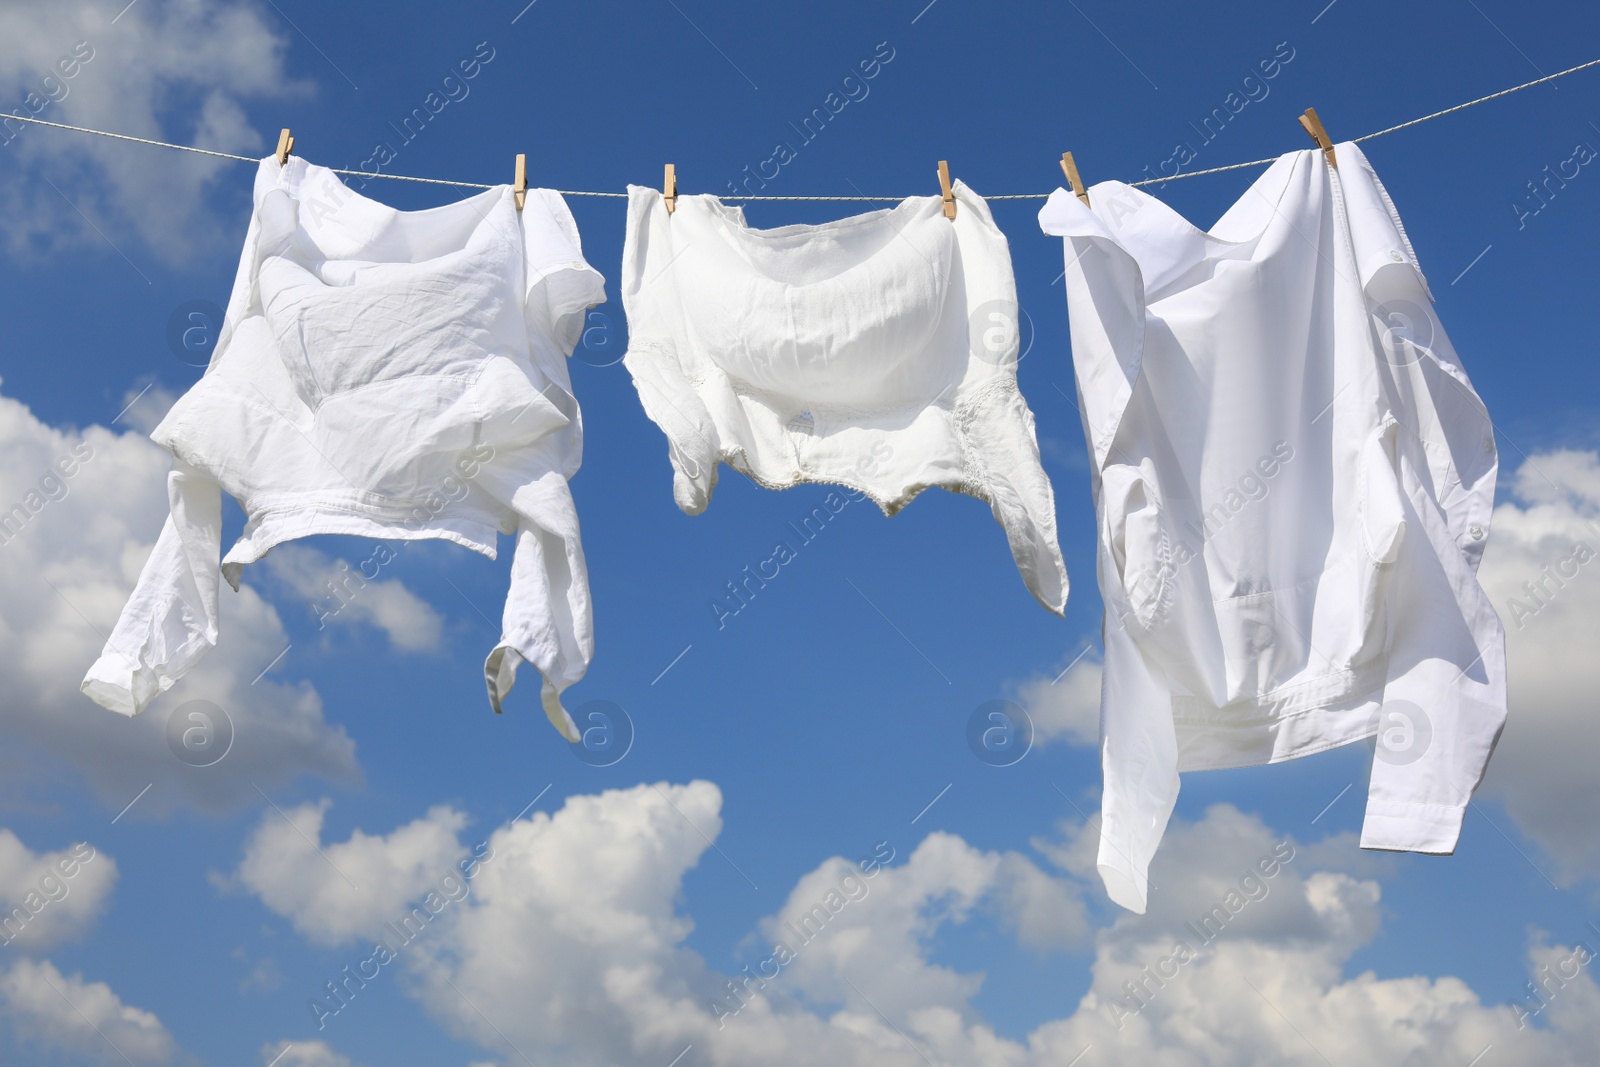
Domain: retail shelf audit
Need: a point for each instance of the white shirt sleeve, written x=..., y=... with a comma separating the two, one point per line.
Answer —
x=548, y=620
x=1139, y=759
x=1445, y=702
x=170, y=621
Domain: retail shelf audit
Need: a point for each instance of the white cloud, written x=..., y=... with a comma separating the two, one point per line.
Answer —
x=1564, y=476
x=264, y=975
x=570, y=948
x=1065, y=705
x=336, y=893
x=1265, y=982
x=144, y=406
x=303, y=1054
x=48, y=1010
x=335, y=593
x=1542, y=573
x=69, y=557
x=49, y=897
x=875, y=942
x=588, y=895
x=177, y=72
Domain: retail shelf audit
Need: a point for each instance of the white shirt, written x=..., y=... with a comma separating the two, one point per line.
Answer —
x=1294, y=481
x=877, y=352
x=383, y=374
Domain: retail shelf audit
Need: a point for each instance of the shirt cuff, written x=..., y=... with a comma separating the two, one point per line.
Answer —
x=1124, y=868
x=500, y=672
x=1124, y=886
x=115, y=685
x=1399, y=827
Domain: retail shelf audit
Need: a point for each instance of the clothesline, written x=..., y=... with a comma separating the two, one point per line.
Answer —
x=1004, y=196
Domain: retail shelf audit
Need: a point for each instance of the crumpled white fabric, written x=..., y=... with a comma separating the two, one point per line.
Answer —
x=1294, y=480
x=877, y=352
x=384, y=374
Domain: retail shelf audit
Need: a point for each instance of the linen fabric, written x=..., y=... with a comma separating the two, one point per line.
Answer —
x=1293, y=480
x=385, y=374
x=877, y=352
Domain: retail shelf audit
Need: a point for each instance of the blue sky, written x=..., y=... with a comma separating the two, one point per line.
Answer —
x=824, y=724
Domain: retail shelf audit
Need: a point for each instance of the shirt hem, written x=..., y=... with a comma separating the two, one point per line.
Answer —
x=1344, y=715
x=1403, y=827
x=289, y=522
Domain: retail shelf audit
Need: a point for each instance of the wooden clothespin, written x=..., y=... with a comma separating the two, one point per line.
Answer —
x=946, y=190
x=1070, y=169
x=669, y=188
x=520, y=185
x=1313, y=126
x=285, y=146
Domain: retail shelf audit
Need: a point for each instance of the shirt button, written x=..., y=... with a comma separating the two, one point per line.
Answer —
x=1488, y=444
x=1476, y=531
x=1396, y=255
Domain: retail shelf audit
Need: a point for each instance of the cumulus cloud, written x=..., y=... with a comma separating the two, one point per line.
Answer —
x=178, y=72
x=145, y=405
x=46, y=1010
x=1235, y=965
x=876, y=923
x=570, y=948
x=80, y=513
x=1242, y=959
x=50, y=897
x=1065, y=705
x=1564, y=476
x=334, y=893
x=335, y=593
x=1542, y=572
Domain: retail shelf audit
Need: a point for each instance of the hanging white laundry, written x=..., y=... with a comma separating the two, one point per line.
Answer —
x=1294, y=480
x=384, y=374
x=877, y=352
